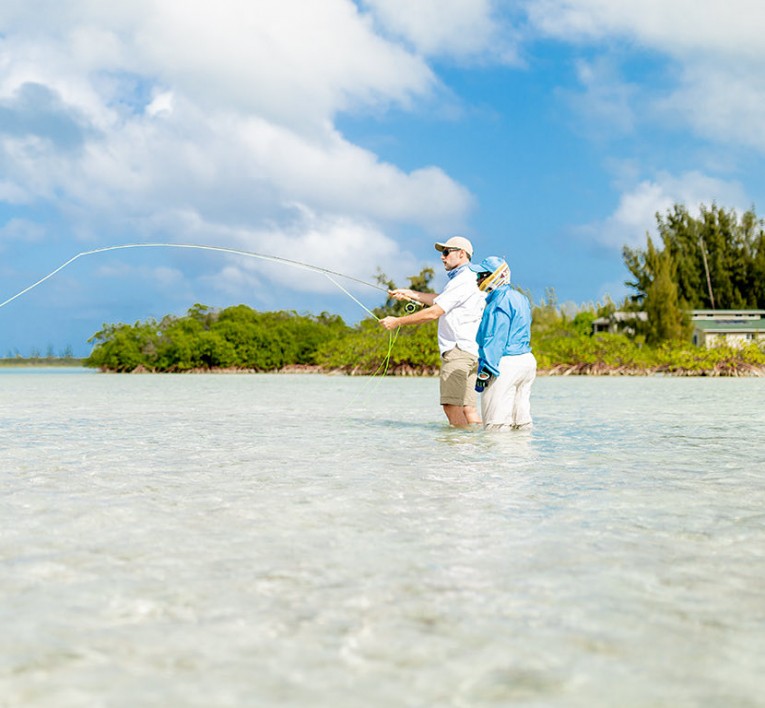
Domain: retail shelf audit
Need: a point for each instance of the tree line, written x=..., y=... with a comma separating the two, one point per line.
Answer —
x=715, y=261
x=204, y=338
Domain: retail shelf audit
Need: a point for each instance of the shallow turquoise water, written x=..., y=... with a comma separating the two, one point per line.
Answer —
x=236, y=540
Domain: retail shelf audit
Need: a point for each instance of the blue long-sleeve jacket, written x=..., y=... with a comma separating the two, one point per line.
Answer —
x=505, y=328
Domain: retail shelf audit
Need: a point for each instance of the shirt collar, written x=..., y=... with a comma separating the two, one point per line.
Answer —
x=455, y=272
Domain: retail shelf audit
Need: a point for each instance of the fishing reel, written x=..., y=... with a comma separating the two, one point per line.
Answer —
x=411, y=307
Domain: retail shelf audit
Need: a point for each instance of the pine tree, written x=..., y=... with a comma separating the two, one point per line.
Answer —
x=666, y=320
x=680, y=235
x=757, y=272
x=717, y=259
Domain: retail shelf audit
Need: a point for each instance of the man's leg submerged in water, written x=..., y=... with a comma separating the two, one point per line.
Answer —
x=461, y=415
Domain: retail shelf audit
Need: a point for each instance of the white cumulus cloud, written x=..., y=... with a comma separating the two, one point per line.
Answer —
x=635, y=215
x=678, y=27
x=462, y=29
x=715, y=59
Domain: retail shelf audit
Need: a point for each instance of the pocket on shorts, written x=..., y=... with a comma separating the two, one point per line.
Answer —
x=457, y=354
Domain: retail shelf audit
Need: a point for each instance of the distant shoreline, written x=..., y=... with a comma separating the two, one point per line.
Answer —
x=740, y=371
x=26, y=362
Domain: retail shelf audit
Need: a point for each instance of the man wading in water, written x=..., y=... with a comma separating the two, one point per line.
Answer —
x=458, y=309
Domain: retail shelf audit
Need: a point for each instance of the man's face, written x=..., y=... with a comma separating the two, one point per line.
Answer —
x=451, y=258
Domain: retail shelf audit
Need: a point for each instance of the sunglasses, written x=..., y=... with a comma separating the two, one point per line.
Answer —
x=446, y=251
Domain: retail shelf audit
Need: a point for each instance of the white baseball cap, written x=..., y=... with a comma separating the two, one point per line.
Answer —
x=457, y=242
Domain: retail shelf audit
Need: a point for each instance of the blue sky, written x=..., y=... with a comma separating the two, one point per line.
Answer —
x=351, y=136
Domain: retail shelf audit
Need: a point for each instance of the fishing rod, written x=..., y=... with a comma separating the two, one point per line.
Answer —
x=410, y=306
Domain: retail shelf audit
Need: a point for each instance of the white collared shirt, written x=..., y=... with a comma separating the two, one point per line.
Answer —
x=462, y=303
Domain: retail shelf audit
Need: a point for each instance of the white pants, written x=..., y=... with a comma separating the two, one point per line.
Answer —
x=506, y=402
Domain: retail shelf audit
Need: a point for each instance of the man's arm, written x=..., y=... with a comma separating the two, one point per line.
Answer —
x=495, y=329
x=413, y=295
x=426, y=315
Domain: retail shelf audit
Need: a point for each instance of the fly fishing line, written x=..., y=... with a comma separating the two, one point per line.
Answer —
x=222, y=249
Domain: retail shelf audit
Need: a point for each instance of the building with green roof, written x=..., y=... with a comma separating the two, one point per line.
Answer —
x=735, y=328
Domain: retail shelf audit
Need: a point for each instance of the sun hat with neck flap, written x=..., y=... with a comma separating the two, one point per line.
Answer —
x=494, y=270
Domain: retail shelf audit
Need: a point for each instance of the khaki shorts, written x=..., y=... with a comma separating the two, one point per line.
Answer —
x=458, y=372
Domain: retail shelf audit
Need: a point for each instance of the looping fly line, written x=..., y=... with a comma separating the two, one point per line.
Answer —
x=274, y=259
